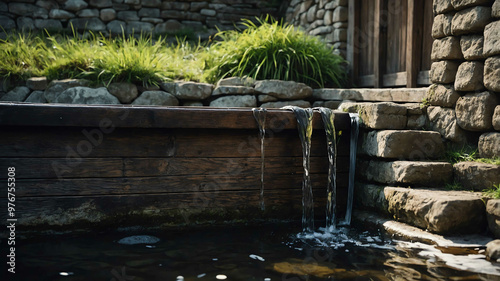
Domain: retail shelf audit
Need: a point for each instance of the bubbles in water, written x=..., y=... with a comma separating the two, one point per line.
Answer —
x=221, y=277
x=66, y=273
x=180, y=278
x=201, y=275
x=255, y=257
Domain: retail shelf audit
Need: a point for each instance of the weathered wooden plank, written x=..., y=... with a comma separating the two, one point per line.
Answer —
x=165, y=184
x=353, y=39
x=50, y=168
x=126, y=116
x=366, y=80
x=428, y=18
x=414, y=42
x=379, y=55
x=395, y=79
x=423, y=78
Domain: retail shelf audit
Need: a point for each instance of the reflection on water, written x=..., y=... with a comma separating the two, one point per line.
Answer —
x=264, y=252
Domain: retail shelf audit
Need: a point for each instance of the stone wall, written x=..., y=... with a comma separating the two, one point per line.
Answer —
x=157, y=16
x=323, y=18
x=464, y=99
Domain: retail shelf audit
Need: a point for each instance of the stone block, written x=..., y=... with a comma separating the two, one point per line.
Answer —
x=23, y=23
x=116, y=27
x=125, y=92
x=170, y=26
x=84, y=95
x=156, y=98
x=50, y=25
x=75, y=5
x=441, y=27
x=107, y=15
x=472, y=46
x=151, y=3
x=266, y=98
x=37, y=83
x=443, y=72
x=469, y=76
x=402, y=144
x=436, y=211
x=470, y=20
x=476, y=176
x=60, y=14
x=235, y=101
x=495, y=9
x=100, y=3
x=36, y=97
x=85, y=24
x=236, y=81
x=461, y=4
x=492, y=74
x=442, y=95
x=384, y=115
x=496, y=118
x=311, y=13
x=447, y=48
x=340, y=14
x=475, y=111
x=192, y=90
x=232, y=90
x=370, y=196
x=149, y=13
x=444, y=121
x=280, y=104
x=442, y=6
x=492, y=39
x=127, y=16
x=489, y=145
x=409, y=173
x=138, y=27
x=288, y=90
x=19, y=93
x=88, y=13
x=493, y=217
x=416, y=122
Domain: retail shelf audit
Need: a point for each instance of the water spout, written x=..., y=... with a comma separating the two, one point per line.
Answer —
x=352, y=165
x=304, y=118
x=260, y=116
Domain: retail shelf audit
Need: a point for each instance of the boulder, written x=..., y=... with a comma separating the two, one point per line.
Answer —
x=443, y=72
x=495, y=9
x=125, y=92
x=492, y=74
x=475, y=111
x=402, y=144
x=493, y=215
x=58, y=86
x=441, y=27
x=444, y=121
x=442, y=6
x=442, y=95
x=447, y=48
x=493, y=249
x=384, y=115
x=37, y=83
x=232, y=90
x=156, y=98
x=410, y=173
x=280, y=104
x=36, y=97
x=19, y=93
x=489, y=145
x=492, y=39
x=469, y=76
x=235, y=101
x=476, y=176
x=472, y=47
x=496, y=118
x=192, y=91
x=84, y=95
x=437, y=211
x=470, y=20
x=288, y=90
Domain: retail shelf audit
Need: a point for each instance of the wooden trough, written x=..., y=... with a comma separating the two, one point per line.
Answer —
x=92, y=166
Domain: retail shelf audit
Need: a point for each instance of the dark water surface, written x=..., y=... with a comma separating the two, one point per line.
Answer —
x=258, y=252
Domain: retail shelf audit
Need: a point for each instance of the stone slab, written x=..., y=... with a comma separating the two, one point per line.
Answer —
x=489, y=145
x=476, y=176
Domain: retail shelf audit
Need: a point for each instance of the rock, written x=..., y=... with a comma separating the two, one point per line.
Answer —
x=447, y=48
x=75, y=5
x=47, y=4
x=412, y=173
x=444, y=121
x=266, y=98
x=107, y=15
x=52, y=25
x=23, y=9
x=23, y=23
x=472, y=46
x=475, y=111
x=236, y=81
x=442, y=95
x=492, y=74
x=340, y=14
x=58, y=86
x=442, y=6
x=139, y=239
x=101, y=3
x=402, y=144
x=193, y=91
x=436, y=211
x=493, y=249
x=149, y=13
x=416, y=122
x=84, y=95
x=492, y=39
x=443, y=72
x=151, y=3
x=495, y=9
x=127, y=16
x=170, y=26
x=125, y=92
x=475, y=175
x=88, y=13
x=85, y=24
x=441, y=27
x=469, y=76
x=37, y=83
x=60, y=14
x=489, y=145
x=156, y=98
x=139, y=27
x=233, y=90
x=493, y=216
x=496, y=118
x=384, y=115
x=116, y=27
x=370, y=196
x=288, y=90
x=36, y=97
x=390, y=95
x=19, y=93
x=235, y=101
x=280, y=104
x=460, y=4
x=470, y=20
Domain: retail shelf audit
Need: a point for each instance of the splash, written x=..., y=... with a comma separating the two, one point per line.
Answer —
x=260, y=116
x=352, y=165
x=304, y=118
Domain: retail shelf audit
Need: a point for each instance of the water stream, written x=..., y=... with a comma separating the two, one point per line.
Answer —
x=352, y=165
x=260, y=116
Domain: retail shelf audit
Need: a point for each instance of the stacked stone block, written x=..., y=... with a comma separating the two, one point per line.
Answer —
x=326, y=19
x=465, y=70
x=131, y=16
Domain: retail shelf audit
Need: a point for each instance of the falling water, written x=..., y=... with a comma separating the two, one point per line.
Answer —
x=260, y=116
x=331, y=189
x=352, y=165
x=304, y=118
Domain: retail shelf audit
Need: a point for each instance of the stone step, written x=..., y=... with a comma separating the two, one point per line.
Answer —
x=369, y=94
x=438, y=211
x=409, y=173
x=476, y=176
x=402, y=144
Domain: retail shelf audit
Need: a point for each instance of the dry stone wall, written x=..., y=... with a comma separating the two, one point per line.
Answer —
x=112, y=16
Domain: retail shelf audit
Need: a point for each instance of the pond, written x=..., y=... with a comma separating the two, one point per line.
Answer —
x=270, y=251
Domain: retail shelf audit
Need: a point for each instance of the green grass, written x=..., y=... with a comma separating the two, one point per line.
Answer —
x=22, y=56
x=467, y=153
x=493, y=192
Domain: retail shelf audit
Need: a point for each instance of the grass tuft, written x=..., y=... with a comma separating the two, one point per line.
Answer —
x=493, y=192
